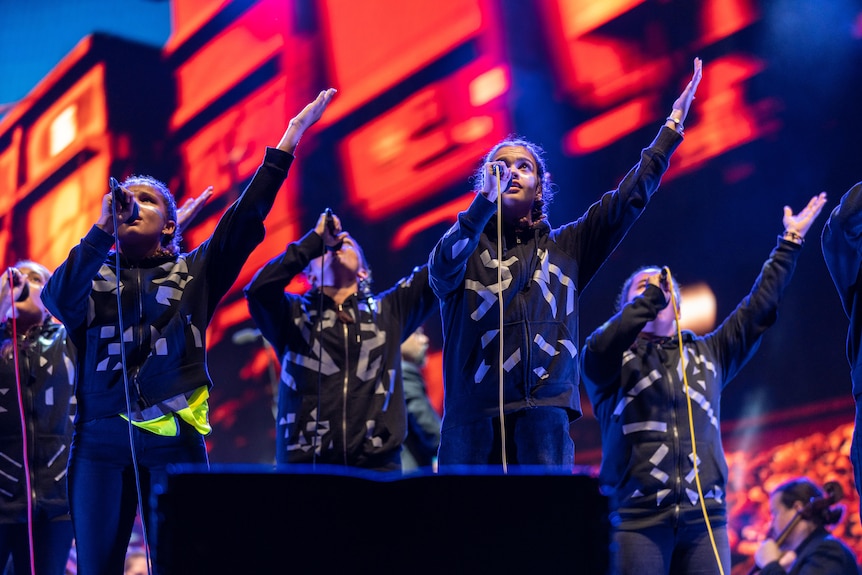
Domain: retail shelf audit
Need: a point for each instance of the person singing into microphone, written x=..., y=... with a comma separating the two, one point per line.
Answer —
x=808, y=548
x=144, y=364
x=536, y=275
x=635, y=369
x=341, y=398
x=37, y=376
x=45, y=370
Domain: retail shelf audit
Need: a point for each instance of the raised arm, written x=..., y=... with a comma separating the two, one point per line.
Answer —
x=678, y=114
x=304, y=120
x=797, y=225
x=191, y=208
x=739, y=335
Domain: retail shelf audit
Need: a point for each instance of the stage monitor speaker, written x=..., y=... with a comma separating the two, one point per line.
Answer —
x=246, y=521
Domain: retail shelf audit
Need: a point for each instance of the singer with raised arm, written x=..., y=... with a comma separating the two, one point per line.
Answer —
x=509, y=284
x=341, y=397
x=37, y=372
x=138, y=317
x=799, y=541
x=656, y=393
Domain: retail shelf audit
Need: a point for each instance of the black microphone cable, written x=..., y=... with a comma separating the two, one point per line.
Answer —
x=330, y=226
x=115, y=188
x=25, y=460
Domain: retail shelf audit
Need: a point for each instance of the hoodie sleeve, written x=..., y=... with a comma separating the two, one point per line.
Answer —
x=448, y=260
x=841, y=241
x=737, y=338
x=413, y=299
x=240, y=230
x=601, y=357
x=66, y=294
x=267, y=302
x=596, y=234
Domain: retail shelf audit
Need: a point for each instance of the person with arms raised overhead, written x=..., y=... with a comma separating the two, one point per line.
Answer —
x=341, y=398
x=656, y=393
x=37, y=372
x=509, y=289
x=138, y=318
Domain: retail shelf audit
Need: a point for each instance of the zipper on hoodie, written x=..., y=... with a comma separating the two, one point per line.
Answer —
x=346, y=334
x=28, y=401
x=677, y=450
x=138, y=335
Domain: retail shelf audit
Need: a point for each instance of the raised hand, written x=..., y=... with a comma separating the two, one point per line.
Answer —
x=683, y=103
x=191, y=208
x=799, y=224
x=310, y=114
x=496, y=177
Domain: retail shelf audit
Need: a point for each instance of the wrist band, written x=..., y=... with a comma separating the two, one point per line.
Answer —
x=794, y=237
x=678, y=123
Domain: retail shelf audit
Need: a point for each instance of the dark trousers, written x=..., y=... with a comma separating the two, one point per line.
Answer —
x=534, y=437
x=103, y=492
x=855, y=455
x=668, y=550
x=52, y=541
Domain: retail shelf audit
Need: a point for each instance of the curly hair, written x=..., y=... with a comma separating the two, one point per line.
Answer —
x=545, y=189
x=170, y=242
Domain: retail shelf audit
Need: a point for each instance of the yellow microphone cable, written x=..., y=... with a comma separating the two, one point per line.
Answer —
x=675, y=305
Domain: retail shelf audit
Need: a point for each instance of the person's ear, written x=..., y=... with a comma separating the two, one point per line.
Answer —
x=169, y=228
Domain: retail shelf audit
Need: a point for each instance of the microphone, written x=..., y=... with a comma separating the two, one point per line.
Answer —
x=116, y=190
x=497, y=170
x=247, y=335
x=16, y=281
x=25, y=293
x=330, y=221
x=330, y=225
x=663, y=276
